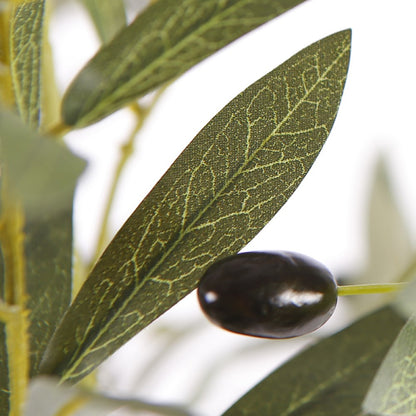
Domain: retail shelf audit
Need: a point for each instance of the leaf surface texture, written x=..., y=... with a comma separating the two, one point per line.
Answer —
x=329, y=378
x=163, y=42
x=393, y=391
x=26, y=31
x=220, y=192
x=42, y=174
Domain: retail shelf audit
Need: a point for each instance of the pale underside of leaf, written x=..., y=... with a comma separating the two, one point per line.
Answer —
x=393, y=391
x=109, y=16
x=162, y=43
x=389, y=245
x=26, y=32
x=43, y=176
x=330, y=378
x=220, y=192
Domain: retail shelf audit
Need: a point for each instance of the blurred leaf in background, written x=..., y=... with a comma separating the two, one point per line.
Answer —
x=49, y=398
x=42, y=174
x=329, y=378
x=109, y=16
x=389, y=247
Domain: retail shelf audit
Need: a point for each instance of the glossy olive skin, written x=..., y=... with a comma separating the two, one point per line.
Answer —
x=268, y=294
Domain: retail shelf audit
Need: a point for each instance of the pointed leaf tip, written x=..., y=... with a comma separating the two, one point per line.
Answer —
x=220, y=192
x=329, y=378
x=163, y=42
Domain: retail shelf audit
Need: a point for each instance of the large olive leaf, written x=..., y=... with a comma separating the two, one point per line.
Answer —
x=329, y=378
x=220, y=192
x=393, y=390
x=109, y=16
x=42, y=174
x=163, y=42
x=26, y=31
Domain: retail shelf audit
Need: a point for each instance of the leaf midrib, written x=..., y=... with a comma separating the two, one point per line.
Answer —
x=320, y=388
x=117, y=92
x=15, y=60
x=197, y=218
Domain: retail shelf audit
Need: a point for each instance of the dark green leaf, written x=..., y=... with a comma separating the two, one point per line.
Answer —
x=109, y=16
x=393, y=391
x=48, y=249
x=26, y=30
x=4, y=372
x=220, y=192
x=43, y=174
x=329, y=378
x=163, y=42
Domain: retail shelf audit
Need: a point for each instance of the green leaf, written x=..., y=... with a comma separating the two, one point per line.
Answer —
x=4, y=372
x=405, y=300
x=109, y=16
x=41, y=171
x=163, y=42
x=220, y=192
x=47, y=397
x=393, y=390
x=390, y=247
x=48, y=249
x=329, y=378
x=43, y=175
x=389, y=244
x=26, y=30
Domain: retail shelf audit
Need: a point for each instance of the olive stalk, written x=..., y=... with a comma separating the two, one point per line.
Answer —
x=126, y=151
x=369, y=289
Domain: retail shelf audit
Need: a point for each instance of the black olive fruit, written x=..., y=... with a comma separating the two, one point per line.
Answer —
x=268, y=294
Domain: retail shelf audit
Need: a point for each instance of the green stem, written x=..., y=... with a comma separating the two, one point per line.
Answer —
x=15, y=319
x=58, y=130
x=126, y=151
x=13, y=312
x=369, y=289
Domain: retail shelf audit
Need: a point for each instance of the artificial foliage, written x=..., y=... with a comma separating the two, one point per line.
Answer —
x=59, y=322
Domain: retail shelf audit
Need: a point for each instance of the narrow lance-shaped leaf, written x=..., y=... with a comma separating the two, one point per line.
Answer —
x=389, y=245
x=163, y=42
x=404, y=302
x=329, y=378
x=42, y=174
x=4, y=371
x=393, y=391
x=220, y=192
x=109, y=16
x=26, y=32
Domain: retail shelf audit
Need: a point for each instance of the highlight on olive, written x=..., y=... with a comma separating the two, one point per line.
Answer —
x=268, y=294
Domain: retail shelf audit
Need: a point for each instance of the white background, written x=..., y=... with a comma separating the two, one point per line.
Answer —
x=325, y=218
